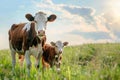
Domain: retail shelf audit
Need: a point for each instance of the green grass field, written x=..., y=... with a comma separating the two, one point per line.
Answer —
x=84, y=62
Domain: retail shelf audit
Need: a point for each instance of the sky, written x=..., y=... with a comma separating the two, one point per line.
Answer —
x=78, y=21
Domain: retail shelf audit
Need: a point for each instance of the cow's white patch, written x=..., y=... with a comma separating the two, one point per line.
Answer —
x=35, y=51
x=41, y=26
x=41, y=20
x=59, y=47
x=27, y=27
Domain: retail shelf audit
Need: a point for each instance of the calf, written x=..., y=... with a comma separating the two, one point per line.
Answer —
x=52, y=54
x=25, y=38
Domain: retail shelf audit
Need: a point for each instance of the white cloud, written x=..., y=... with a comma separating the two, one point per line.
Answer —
x=76, y=18
x=112, y=24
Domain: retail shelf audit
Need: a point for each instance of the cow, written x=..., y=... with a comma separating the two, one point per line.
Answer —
x=25, y=38
x=52, y=54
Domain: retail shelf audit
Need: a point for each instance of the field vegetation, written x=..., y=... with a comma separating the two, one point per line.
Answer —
x=83, y=62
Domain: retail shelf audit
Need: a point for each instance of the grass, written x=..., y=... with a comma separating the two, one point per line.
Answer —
x=83, y=62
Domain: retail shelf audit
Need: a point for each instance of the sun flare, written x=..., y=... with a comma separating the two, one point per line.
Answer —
x=115, y=6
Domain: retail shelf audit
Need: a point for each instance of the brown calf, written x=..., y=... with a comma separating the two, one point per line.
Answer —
x=52, y=54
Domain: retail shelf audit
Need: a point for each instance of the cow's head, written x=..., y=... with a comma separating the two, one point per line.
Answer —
x=59, y=49
x=41, y=20
x=59, y=46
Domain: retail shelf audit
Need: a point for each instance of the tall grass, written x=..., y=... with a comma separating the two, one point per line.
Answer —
x=84, y=62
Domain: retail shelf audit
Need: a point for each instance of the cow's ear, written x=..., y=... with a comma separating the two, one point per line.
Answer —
x=65, y=43
x=29, y=17
x=52, y=17
x=52, y=43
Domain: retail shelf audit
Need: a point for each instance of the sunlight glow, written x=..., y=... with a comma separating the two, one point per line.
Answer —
x=115, y=6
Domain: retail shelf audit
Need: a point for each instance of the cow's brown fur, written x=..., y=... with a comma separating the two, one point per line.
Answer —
x=48, y=56
x=21, y=38
x=26, y=40
x=52, y=54
x=43, y=40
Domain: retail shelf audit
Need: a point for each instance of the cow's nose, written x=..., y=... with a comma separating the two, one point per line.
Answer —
x=41, y=32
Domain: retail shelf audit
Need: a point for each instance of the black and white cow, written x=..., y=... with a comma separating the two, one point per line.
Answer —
x=25, y=38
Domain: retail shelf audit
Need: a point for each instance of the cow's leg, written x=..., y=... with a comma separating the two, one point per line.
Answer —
x=45, y=65
x=13, y=59
x=40, y=52
x=12, y=55
x=28, y=62
x=37, y=61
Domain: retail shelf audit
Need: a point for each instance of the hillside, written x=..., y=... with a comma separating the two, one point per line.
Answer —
x=84, y=62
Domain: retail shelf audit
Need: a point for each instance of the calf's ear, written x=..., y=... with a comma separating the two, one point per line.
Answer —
x=52, y=43
x=65, y=43
x=29, y=17
x=52, y=17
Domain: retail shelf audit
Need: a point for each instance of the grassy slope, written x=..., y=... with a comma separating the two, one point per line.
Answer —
x=85, y=62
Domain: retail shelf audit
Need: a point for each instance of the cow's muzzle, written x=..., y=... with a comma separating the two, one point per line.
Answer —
x=41, y=33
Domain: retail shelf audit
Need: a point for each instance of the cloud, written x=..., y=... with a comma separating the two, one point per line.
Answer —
x=92, y=35
x=82, y=19
x=85, y=12
x=112, y=24
x=74, y=23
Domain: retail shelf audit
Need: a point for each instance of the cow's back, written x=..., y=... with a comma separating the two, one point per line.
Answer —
x=16, y=35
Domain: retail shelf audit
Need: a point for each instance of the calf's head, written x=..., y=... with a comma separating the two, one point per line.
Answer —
x=59, y=46
x=41, y=20
x=58, y=49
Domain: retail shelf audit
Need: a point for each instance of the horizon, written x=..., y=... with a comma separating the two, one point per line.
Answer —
x=82, y=21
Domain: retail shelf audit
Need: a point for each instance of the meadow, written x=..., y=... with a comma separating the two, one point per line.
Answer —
x=82, y=62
